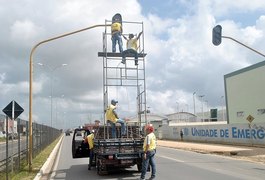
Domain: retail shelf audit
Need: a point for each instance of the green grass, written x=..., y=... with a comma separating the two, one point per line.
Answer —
x=37, y=163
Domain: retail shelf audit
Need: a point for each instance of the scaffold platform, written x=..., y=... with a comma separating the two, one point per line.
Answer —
x=111, y=54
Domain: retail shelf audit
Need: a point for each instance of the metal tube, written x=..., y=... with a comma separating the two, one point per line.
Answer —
x=244, y=45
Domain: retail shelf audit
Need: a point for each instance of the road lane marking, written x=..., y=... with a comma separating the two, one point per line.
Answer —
x=173, y=159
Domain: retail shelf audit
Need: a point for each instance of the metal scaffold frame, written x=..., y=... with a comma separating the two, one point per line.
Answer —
x=116, y=74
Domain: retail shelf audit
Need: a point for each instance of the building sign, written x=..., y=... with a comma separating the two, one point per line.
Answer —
x=235, y=133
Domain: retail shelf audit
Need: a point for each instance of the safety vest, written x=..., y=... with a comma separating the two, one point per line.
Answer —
x=115, y=27
x=151, y=140
x=110, y=115
x=132, y=44
x=90, y=140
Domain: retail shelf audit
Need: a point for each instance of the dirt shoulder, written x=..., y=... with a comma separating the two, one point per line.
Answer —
x=254, y=154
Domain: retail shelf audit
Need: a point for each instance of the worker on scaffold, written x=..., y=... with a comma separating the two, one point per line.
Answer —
x=132, y=47
x=116, y=31
x=113, y=118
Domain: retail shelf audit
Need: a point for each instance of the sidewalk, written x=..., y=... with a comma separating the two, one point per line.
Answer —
x=254, y=154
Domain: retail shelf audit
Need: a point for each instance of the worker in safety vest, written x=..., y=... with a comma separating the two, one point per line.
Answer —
x=132, y=47
x=90, y=140
x=113, y=118
x=116, y=31
x=149, y=149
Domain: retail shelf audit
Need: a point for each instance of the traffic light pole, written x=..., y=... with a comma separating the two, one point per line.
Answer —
x=31, y=82
x=217, y=39
x=227, y=37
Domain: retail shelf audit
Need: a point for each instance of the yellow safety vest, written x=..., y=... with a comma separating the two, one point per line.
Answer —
x=132, y=44
x=151, y=140
x=115, y=27
x=90, y=140
x=110, y=115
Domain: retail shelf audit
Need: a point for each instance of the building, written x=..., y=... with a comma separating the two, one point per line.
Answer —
x=245, y=97
x=155, y=119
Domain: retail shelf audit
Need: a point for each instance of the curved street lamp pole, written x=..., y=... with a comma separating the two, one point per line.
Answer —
x=31, y=81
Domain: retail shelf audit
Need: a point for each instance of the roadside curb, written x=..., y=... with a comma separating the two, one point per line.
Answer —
x=47, y=167
x=204, y=148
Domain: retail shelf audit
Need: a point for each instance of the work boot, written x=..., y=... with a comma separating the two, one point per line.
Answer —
x=123, y=61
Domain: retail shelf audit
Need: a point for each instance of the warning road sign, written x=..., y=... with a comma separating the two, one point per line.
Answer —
x=250, y=118
x=13, y=110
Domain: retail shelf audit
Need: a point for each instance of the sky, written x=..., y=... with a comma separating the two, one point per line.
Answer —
x=181, y=59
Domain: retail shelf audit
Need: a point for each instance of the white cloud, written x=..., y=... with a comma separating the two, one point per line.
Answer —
x=24, y=31
x=180, y=56
x=225, y=7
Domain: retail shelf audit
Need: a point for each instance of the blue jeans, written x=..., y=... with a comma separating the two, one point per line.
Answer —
x=91, y=156
x=130, y=51
x=113, y=128
x=150, y=158
x=116, y=38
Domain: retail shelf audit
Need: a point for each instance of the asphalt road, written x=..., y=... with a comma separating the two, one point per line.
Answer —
x=171, y=163
x=12, y=148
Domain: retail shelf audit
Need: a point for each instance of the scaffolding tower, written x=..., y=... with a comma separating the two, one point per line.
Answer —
x=129, y=75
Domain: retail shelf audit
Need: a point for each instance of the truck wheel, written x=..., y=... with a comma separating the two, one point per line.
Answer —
x=100, y=169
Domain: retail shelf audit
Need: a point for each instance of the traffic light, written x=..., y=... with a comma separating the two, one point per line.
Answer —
x=217, y=35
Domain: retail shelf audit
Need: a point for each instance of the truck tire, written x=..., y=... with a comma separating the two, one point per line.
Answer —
x=101, y=170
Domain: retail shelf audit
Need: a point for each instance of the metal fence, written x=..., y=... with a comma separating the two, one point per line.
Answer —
x=14, y=147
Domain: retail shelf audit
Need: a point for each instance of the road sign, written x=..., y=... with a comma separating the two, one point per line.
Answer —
x=250, y=118
x=13, y=110
x=217, y=35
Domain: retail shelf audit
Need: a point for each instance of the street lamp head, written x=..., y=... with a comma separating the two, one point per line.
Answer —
x=40, y=64
x=64, y=64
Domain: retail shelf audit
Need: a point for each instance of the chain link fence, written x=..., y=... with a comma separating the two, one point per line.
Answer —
x=14, y=146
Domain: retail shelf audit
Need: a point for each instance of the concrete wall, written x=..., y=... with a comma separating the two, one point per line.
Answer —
x=241, y=134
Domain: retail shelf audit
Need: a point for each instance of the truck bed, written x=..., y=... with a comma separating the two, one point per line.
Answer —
x=113, y=153
x=104, y=132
